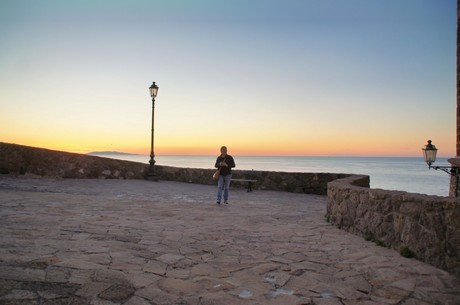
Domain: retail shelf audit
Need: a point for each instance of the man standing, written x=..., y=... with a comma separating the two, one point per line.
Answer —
x=224, y=163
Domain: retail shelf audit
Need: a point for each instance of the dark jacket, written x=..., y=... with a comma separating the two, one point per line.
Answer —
x=225, y=170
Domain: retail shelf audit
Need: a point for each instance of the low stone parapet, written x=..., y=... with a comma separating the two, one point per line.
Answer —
x=308, y=183
x=425, y=226
x=25, y=160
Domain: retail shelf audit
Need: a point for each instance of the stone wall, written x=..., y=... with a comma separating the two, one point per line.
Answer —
x=308, y=183
x=426, y=226
x=24, y=160
x=454, y=188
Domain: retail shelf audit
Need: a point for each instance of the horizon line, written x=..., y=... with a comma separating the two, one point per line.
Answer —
x=245, y=155
x=242, y=155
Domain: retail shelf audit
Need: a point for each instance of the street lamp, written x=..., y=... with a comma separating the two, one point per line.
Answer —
x=153, y=94
x=429, y=154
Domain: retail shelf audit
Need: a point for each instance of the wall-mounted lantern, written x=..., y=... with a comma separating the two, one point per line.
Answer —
x=429, y=154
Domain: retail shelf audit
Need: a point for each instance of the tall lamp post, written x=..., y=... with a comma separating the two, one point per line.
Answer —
x=153, y=93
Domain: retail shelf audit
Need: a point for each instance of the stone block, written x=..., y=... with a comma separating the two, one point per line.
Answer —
x=22, y=274
x=117, y=293
x=111, y=276
x=170, y=259
x=58, y=274
x=155, y=267
x=179, y=287
x=135, y=300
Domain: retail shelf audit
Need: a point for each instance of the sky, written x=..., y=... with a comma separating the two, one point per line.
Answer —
x=263, y=77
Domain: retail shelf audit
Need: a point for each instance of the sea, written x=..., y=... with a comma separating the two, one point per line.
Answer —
x=408, y=174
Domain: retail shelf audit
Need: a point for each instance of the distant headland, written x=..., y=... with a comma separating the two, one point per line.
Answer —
x=110, y=153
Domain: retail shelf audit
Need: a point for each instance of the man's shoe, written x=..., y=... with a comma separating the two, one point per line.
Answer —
x=218, y=202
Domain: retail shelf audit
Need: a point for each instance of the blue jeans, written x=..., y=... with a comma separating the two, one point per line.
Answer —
x=223, y=184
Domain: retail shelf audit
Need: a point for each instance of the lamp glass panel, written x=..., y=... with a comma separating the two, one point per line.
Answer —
x=430, y=155
x=153, y=92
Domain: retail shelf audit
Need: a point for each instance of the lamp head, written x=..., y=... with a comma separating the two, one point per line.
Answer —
x=153, y=90
x=429, y=153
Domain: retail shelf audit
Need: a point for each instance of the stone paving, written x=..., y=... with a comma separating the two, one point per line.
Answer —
x=137, y=242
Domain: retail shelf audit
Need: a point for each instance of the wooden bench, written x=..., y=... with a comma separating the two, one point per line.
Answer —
x=248, y=181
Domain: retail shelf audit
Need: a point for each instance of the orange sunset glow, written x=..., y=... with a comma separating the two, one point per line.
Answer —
x=291, y=79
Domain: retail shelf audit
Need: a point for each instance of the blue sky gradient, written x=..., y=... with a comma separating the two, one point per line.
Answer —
x=295, y=77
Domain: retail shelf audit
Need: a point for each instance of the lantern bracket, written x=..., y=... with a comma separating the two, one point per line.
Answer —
x=453, y=171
